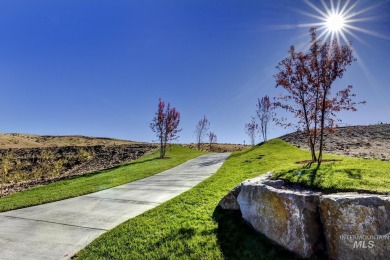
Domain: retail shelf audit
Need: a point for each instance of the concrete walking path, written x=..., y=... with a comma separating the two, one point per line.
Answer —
x=60, y=229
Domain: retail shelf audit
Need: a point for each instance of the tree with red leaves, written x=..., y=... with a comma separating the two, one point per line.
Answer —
x=265, y=114
x=308, y=79
x=165, y=125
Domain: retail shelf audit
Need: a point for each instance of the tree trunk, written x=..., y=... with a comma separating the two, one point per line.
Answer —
x=162, y=152
x=312, y=150
x=311, y=145
x=309, y=135
x=322, y=128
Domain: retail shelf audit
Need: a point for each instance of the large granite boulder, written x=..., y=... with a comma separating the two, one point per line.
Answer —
x=289, y=217
x=229, y=202
x=340, y=225
x=357, y=226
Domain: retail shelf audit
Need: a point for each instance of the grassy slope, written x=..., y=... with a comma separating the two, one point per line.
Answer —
x=191, y=227
x=146, y=166
x=350, y=174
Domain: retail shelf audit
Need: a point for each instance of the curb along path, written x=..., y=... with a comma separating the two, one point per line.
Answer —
x=60, y=229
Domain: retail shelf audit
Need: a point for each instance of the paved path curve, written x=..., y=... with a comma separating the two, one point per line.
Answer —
x=60, y=229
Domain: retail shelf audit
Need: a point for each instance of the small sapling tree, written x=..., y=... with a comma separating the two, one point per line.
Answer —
x=201, y=130
x=165, y=125
x=264, y=113
x=251, y=129
x=302, y=98
x=212, y=138
x=308, y=79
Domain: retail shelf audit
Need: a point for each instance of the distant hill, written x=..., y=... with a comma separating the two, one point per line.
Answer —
x=371, y=141
x=39, y=141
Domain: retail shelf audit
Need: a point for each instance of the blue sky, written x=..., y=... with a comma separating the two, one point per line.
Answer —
x=97, y=68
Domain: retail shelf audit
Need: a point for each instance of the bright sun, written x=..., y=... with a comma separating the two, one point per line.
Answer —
x=335, y=22
x=337, y=19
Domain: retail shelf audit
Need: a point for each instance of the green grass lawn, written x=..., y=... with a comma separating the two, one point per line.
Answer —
x=190, y=226
x=349, y=174
x=145, y=166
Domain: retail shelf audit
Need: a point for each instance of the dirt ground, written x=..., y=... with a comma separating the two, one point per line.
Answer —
x=368, y=142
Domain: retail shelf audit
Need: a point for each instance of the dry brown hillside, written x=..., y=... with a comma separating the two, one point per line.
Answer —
x=371, y=141
x=35, y=160
x=38, y=141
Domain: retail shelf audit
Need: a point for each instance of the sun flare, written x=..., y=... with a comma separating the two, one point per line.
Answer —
x=339, y=20
x=335, y=22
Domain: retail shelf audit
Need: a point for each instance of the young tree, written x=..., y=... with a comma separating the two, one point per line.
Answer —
x=265, y=114
x=308, y=78
x=328, y=62
x=201, y=130
x=251, y=129
x=300, y=100
x=212, y=138
x=165, y=125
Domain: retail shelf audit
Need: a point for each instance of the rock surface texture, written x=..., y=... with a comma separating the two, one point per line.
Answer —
x=372, y=141
x=291, y=218
x=357, y=226
x=230, y=200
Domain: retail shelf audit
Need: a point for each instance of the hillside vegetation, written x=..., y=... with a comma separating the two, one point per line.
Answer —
x=37, y=141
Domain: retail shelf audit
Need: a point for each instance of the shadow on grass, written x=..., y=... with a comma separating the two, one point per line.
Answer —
x=238, y=240
x=354, y=174
x=181, y=234
x=307, y=178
